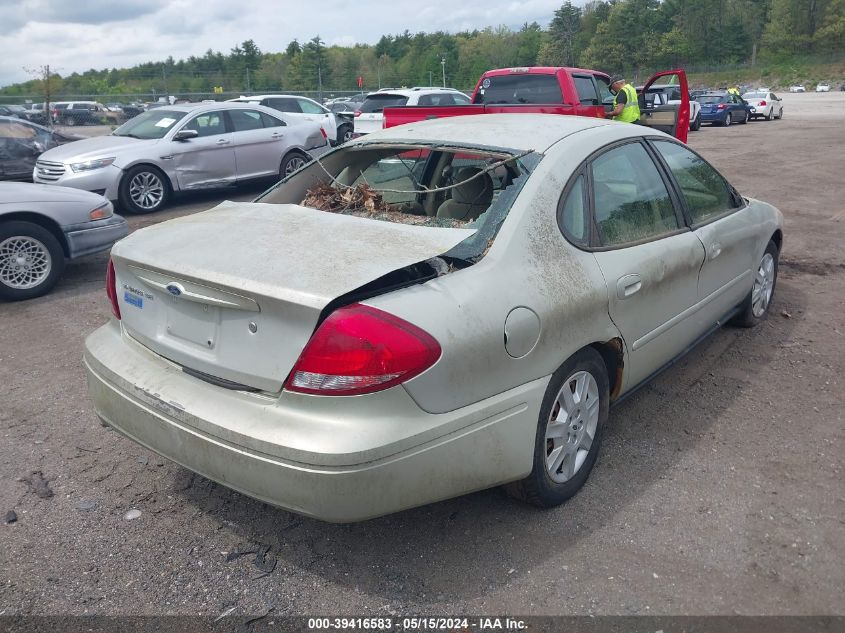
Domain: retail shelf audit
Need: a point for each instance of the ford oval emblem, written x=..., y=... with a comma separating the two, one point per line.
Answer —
x=174, y=289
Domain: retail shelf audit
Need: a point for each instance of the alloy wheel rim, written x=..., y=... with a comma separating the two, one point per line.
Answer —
x=572, y=425
x=146, y=190
x=25, y=262
x=764, y=285
x=293, y=164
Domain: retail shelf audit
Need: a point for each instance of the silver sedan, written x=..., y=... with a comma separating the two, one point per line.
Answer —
x=42, y=226
x=183, y=148
x=434, y=309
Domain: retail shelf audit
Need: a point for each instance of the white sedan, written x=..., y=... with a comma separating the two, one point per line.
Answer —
x=823, y=88
x=764, y=104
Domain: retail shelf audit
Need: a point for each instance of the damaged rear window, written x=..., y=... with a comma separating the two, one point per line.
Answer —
x=421, y=185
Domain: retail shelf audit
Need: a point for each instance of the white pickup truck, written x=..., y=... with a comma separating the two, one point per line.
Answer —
x=663, y=94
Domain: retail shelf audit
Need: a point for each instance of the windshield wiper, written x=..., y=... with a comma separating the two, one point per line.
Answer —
x=128, y=134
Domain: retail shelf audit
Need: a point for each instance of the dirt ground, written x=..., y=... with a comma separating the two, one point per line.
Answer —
x=720, y=489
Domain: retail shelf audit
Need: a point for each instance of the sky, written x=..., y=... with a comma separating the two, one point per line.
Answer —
x=76, y=35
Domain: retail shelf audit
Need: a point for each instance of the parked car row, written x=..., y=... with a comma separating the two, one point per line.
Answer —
x=163, y=151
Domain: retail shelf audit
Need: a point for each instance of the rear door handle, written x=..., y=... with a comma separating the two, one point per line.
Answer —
x=276, y=135
x=222, y=141
x=628, y=286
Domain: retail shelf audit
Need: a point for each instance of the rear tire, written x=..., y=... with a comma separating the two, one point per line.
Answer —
x=745, y=120
x=696, y=124
x=569, y=430
x=755, y=307
x=291, y=162
x=344, y=134
x=31, y=261
x=727, y=121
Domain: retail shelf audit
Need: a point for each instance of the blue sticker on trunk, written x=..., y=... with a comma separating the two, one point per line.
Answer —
x=138, y=302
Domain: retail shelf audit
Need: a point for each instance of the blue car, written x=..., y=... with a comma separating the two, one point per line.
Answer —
x=723, y=108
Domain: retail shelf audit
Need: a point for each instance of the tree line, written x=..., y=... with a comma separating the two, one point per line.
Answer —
x=612, y=35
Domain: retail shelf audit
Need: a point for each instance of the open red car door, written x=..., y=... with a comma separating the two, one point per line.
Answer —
x=667, y=115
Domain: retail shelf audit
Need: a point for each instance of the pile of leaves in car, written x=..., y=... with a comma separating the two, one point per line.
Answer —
x=365, y=202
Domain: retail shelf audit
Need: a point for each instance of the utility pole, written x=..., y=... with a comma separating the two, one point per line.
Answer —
x=378, y=71
x=443, y=66
x=430, y=80
x=320, y=82
x=47, y=95
x=247, y=81
x=164, y=78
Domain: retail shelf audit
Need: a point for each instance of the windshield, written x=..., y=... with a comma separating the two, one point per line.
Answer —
x=153, y=124
x=377, y=103
x=421, y=185
x=519, y=88
x=710, y=99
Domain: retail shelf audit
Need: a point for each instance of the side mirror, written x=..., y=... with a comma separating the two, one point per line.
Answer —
x=184, y=135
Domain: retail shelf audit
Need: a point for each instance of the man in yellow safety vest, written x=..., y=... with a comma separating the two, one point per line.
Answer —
x=625, y=105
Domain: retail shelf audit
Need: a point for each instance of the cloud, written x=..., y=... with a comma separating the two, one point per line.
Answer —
x=75, y=35
x=90, y=11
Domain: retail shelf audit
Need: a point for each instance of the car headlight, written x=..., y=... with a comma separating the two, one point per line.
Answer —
x=105, y=210
x=96, y=163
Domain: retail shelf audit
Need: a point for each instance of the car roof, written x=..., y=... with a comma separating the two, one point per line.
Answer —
x=521, y=132
x=540, y=70
x=13, y=119
x=243, y=99
x=214, y=105
x=407, y=92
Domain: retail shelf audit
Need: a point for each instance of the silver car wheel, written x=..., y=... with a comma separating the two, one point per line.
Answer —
x=25, y=262
x=572, y=426
x=146, y=190
x=764, y=284
x=293, y=164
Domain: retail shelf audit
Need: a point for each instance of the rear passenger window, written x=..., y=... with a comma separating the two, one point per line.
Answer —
x=245, y=120
x=285, y=104
x=706, y=193
x=586, y=90
x=437, y=100
x=571, y=216
x=631, y=202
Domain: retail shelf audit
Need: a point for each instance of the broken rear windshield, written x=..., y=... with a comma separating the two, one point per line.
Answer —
x=429, y=185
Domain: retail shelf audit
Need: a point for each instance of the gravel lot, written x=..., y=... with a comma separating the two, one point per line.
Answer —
x=720, y=489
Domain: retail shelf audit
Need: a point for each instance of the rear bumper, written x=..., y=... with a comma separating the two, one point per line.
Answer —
x=381, y=458
x=713, y=117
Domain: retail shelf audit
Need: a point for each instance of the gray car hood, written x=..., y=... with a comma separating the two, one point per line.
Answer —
x=22, y=194
x=97, y=147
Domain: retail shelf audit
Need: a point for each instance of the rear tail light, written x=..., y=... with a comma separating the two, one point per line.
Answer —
x=357, y=113
x=762, y=103
x=721, y=106
x=323, y=132
x=111, y=289
x=359, y=349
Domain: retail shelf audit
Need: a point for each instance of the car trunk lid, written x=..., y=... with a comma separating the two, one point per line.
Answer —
x=236, y=292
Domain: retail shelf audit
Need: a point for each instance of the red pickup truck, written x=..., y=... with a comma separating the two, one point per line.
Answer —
x=555, y=90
